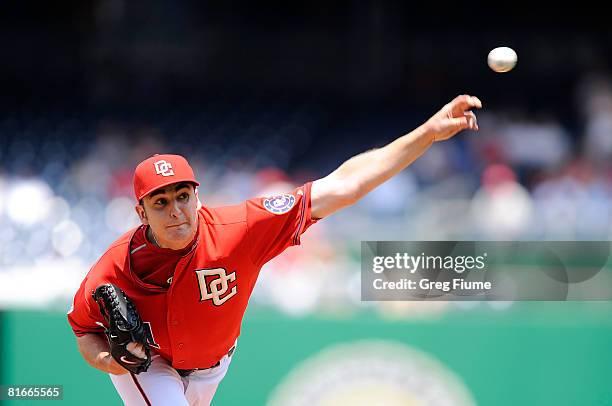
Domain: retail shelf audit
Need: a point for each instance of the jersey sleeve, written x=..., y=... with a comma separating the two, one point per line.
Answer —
x=84, y=312
x=277, y=222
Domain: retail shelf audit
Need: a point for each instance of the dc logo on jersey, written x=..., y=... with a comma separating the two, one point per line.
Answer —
x=163, y=168
x=216, y=288
x=279, y=204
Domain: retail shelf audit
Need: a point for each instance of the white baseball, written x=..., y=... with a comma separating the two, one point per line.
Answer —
x=502, y=59
x=137, y=349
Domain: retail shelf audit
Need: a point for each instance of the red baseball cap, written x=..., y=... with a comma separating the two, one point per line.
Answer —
x=159, y=171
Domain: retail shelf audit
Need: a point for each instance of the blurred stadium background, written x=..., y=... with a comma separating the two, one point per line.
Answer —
x=264, y=98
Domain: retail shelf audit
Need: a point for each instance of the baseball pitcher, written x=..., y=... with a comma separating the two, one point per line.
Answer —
x=161, y=309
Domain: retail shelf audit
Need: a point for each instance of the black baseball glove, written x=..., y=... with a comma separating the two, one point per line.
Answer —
x=124, y=326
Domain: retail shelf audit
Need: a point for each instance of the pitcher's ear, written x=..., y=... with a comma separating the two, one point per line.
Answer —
x=142, y=214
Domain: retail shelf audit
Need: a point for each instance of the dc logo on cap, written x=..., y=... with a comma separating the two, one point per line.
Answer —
x=163, y=168
x=279, y=204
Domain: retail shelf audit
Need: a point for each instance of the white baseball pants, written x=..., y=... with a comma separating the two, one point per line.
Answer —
x=162, y=385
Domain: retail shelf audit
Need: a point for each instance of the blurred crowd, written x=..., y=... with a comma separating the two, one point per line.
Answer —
x=67, y=192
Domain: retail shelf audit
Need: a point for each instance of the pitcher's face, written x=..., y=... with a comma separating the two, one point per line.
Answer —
x=172, y=214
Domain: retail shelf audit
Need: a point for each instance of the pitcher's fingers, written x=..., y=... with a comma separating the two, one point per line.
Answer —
x=460, y=123
x=465, y=102
x=471, y=120
x=136, y=349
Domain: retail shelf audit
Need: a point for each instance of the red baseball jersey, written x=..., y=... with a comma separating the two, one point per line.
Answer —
x=195, y=317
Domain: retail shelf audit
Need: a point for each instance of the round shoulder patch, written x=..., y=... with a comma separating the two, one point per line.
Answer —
x=279, y=204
